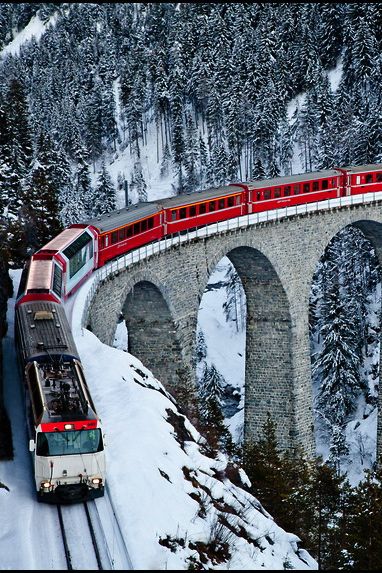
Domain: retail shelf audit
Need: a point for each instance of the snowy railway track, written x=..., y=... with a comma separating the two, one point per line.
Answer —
x=81, y=542
x=92, y=537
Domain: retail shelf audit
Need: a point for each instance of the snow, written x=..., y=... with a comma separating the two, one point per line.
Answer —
x=146, y=468
x=34, y=29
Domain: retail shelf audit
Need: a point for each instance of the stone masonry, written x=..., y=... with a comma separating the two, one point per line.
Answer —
x=160, y=296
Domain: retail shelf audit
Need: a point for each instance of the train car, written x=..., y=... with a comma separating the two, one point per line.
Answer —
x=124, y=229
x=363, y=179
x=281, y=192
x=186, y=212
x=61, y=266
x=65, y=433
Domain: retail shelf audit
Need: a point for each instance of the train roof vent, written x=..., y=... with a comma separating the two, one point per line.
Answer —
x=43, y=315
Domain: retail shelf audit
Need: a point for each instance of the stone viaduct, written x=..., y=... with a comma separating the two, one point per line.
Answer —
x=159, y=298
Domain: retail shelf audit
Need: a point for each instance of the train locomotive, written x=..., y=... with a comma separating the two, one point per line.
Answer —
x=60, y=406
x=65, y=433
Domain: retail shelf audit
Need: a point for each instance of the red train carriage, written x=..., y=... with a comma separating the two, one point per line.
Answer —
x=293, y=190
x=61, y=266
x=363, y=179
x=185, y=212
x=126, y=229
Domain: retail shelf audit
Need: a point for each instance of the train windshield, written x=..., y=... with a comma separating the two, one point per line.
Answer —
x=69, y=443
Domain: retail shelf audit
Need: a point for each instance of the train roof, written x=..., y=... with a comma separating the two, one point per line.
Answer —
x=198, y=196
x=120, y=217
x=63, y=239
x=39, y=275
x=44, y=331
x=292, y=179
x=133, y=213
x=364, y=168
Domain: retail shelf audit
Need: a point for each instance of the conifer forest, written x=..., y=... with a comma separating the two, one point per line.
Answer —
x=219, y=93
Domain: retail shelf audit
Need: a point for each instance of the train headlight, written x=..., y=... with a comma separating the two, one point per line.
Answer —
x=97, y=481
x=45, y=485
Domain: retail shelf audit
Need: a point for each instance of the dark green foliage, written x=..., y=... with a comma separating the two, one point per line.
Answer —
x=363, y=543
x=305, y=496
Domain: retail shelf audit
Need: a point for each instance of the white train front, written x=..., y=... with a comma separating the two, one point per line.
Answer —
x=65, y=433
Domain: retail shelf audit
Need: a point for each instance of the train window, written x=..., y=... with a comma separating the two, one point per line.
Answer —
x=122, y=234
x=37, y=404
x=137, y=228
x=258, y=196
x=211, y=206
x=333, y=182
x=192, y=210
x=221, y=204
x=237, y=199
x=306, y=187
x=277, y=192
x=106, y=240
x=315, y=185
x=173, y=215
x=231, y=201
x=150, y=222
x=324, y=184
x=296, y=189
x=129, y=231
x=287, y=190
x=202, y=208
x=182, y=213
x=114, y=237
x=57, y=280
x=369, y=178
x=144, y=225
x=379, y=177
x=267, y=194
x=66, y=443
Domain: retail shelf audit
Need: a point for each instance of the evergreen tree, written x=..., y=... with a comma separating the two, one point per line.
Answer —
x=165, y=169
x=262, y=463
x=191, y=156
x=82, y=185
x=234, y=307
x=212, y=425
x=201, y=347
x=104, y=199
x=138, y=182
x=362, y=549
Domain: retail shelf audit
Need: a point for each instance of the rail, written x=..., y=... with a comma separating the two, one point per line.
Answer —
x=142, y=253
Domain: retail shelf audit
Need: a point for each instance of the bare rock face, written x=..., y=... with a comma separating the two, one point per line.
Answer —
x=6, y=448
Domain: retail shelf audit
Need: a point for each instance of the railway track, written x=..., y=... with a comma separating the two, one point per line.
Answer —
x=91, y=536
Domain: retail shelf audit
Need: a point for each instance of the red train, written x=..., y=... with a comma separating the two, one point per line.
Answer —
x=61, y=266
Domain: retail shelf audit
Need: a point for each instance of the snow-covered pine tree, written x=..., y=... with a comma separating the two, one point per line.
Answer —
x=338, y=363
x=235, y=306
x=138, y=182
x=104, y=198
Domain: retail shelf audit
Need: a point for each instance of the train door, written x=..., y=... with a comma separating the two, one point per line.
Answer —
x=163, y=221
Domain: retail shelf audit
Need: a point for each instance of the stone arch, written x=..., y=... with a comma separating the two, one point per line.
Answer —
x=372, y=230
x=152, y=332
x=268, y=355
